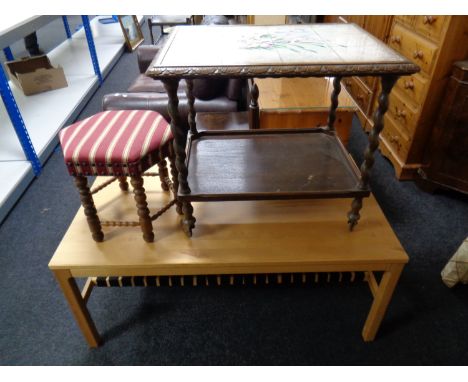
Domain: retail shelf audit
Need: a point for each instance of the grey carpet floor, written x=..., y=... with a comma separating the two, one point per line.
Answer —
x=314, y=325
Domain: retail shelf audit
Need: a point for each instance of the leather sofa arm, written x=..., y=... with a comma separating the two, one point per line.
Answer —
x=137, y=101
x=145, y=55
x=158, y=102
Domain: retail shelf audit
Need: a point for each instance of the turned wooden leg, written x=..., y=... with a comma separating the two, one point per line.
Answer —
x=387, y=85
x=191, y=103
x=142, y=206
x=175, y=182
x=188, y=221
x=353, y=215
x=90, y=211
x=163, y=173
x=123, y=184
x=180, y=140
x=334, y=103
x=254, y=110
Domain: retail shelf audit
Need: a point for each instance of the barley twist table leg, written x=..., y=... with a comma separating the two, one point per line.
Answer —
x=163, y=173
x=175, y=182
x=191, y=103
x=180, y=141
x=254, y=109
x=387, y=85
x=334, y=103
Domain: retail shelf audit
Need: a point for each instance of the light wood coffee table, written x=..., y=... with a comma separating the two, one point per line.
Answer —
x=303, y=102
x=275, y=239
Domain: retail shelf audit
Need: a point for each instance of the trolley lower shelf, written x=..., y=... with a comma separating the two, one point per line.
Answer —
x=270, y=164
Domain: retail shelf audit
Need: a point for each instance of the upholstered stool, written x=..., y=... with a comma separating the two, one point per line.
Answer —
x=119, y=143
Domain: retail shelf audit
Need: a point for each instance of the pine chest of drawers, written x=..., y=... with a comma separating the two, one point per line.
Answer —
x=434, y=43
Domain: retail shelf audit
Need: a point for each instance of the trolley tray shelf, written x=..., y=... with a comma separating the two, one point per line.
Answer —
x=270, y=164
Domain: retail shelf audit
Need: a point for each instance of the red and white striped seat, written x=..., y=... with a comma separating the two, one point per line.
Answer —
x=117, y=142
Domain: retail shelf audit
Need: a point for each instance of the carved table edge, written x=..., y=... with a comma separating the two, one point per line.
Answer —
x=259, y=71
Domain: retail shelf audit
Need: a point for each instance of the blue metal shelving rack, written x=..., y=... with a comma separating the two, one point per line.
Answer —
x=8, y=54
x=66, y=26
x=92, y=48
x=30, y=165
x=12, y=108
x=18, y=123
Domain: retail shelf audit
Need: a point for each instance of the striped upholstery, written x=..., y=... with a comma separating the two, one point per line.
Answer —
x=116, y=142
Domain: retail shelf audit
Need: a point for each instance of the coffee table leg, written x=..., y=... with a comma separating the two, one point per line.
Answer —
x=382, y=297
x=78, y=307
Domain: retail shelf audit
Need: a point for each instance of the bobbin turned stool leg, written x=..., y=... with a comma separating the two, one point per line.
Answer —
x=90, y=211
x=123, y=184
x=142, y=206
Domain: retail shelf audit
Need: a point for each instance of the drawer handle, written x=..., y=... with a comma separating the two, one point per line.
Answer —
x=429, y=20
x=400, y=113
x=409, y=84
x=395, y=39
x=348, y=83
x=418, y=54
x=396, y=141
x=360, y=97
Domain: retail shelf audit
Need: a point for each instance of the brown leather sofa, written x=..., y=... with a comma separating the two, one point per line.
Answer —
x=145, y=93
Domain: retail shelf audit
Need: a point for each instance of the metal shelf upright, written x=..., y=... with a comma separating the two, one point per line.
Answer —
x=8, y=53
x=92, y=48
x=18, y=123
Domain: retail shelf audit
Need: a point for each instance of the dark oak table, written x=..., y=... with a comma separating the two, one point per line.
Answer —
x=284, y=164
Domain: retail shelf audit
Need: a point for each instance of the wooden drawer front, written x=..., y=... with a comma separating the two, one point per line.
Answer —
x=431, y=26
x=394, y=138
x=419, y=50
x=361, y=95
x=414, y=87
x=402, y=112
x=368, y=81
x=408, y=20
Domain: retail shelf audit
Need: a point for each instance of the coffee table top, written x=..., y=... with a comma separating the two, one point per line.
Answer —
x=231, y=237
x=276, y=51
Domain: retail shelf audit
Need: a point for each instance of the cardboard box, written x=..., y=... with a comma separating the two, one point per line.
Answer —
x=35, y=75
